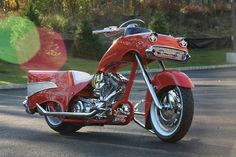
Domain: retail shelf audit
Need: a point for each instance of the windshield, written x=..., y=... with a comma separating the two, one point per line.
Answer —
x=136, y=30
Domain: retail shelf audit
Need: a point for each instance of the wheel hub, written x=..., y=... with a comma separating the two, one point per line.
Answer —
x=54, y=120
x=171, y=112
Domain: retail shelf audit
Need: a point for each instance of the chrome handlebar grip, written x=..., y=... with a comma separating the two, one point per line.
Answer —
x=110, y=29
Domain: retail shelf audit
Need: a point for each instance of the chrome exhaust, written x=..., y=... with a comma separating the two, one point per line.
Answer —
x=41, y=111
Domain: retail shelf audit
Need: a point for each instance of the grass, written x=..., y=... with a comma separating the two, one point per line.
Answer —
x=11, y=73
x=199, y=57
x=86, y=65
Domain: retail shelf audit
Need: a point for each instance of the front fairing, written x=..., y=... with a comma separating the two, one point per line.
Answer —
x=118, y=53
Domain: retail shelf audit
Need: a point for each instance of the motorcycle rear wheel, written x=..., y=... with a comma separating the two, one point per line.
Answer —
x=172, y=122
x=56, y=122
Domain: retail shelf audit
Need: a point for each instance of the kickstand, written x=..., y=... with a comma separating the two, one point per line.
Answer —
x=142, y=125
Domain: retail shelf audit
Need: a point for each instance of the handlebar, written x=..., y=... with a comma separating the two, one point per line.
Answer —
x=112, y=30
x=109, y=30
x=131, y=21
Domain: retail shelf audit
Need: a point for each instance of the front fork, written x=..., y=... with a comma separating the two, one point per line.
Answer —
x=150, y=88
x=148, y=82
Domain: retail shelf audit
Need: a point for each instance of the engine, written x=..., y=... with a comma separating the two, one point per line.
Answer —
x=108, y=88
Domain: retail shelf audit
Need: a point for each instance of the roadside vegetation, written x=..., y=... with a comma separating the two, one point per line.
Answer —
x=74, y=20
x=11, y=73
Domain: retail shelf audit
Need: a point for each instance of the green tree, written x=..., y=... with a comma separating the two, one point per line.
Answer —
x=55, y=22
x=11, y=5
x=87, y=45
x=159, y=24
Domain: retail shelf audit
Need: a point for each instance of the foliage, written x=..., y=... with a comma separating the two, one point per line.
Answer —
x=198, y=18
x=183, y=16
x=33, y=12
x=87, y=44
x=10, y=5
x=159, y=24
x=11, y=73
x=55, y=22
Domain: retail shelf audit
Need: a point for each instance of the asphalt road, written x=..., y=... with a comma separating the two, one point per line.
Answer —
x=213, y=130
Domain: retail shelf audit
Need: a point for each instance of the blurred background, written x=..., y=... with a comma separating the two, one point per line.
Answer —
x=57, y=34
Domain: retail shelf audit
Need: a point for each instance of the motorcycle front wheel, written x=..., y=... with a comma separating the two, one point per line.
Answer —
x=173, y=121
x=56, y=122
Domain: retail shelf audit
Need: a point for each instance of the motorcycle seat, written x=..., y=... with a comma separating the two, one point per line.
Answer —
x=80, y=76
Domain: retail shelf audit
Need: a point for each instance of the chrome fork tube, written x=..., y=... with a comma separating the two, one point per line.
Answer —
x=148, y=82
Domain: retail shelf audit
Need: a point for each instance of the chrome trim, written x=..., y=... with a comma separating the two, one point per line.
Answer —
x=183, y=43
x=25, y=104
x=132, y=20
x=148, y=83
x=153, y=37
x=35, y=87
x=110, y=29
x=167, y=52
x=41, y=111
x=110, y=95
x=137, y=104
x=139, y=113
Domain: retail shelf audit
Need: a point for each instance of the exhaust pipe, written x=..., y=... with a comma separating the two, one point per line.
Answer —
x=41, y=111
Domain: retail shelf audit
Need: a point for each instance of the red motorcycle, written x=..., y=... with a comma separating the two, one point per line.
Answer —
x=70, y=100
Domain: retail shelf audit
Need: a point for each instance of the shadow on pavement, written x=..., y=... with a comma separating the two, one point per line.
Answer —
x=108, y=143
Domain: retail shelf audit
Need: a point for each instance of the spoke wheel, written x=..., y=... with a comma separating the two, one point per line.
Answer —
x=173, y=121
x=56, y=122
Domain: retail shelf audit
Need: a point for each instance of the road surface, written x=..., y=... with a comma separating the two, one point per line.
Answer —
x=213, y=130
